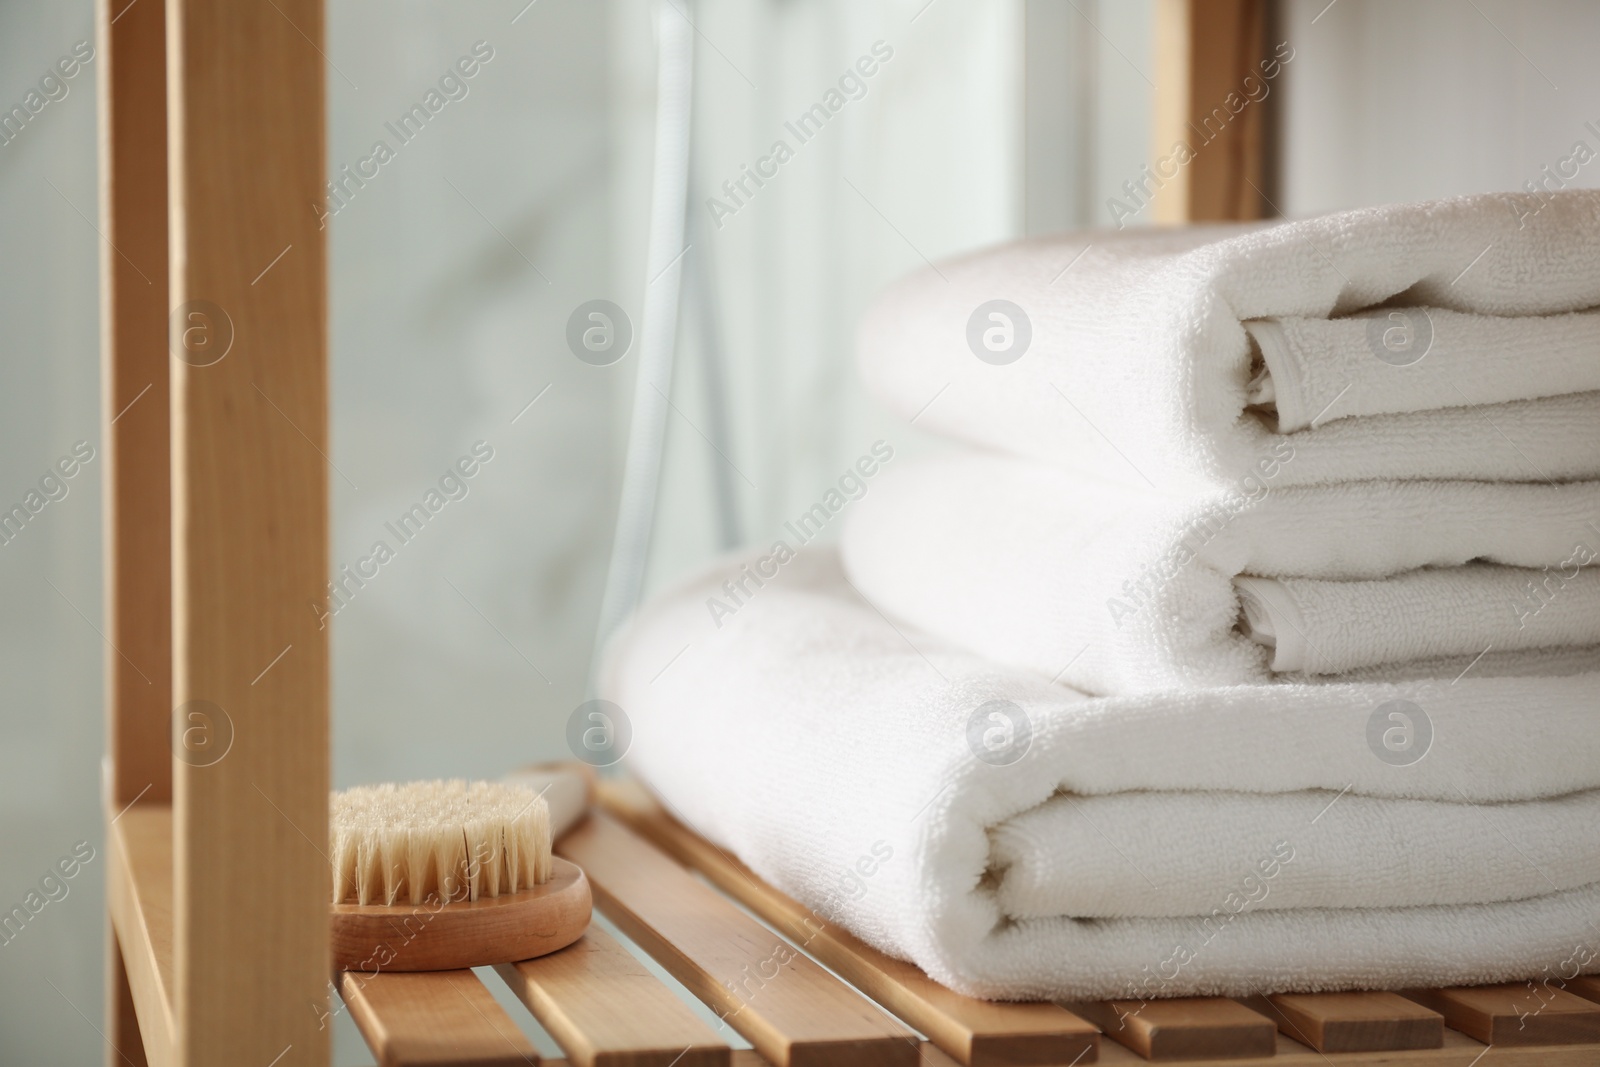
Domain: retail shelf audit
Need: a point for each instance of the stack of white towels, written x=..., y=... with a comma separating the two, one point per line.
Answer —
x=1253, y=649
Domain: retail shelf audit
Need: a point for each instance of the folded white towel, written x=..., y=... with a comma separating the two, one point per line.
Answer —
x=1325, y=367
x=1323, y=627
x=1129, y=351
x=1164, y=854
x=879, y=783
x=1114, y=589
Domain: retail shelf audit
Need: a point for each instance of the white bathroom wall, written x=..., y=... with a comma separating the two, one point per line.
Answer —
x=453, y=272
x=1389, y=102
x=50, y=649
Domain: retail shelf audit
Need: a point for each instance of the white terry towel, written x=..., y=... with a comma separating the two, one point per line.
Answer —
x=1055, y=859
x=1422, y=360
x=880, y=784
x=1329, y=627
x=1174, y=355
x=1113, y=589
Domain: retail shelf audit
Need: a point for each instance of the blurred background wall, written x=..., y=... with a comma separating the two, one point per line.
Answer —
x=455, y=269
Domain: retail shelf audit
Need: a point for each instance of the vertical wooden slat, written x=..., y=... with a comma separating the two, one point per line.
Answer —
x=133, y=348
x=1205, y=49
x=249, y=483
x=131, y=54
x=124, y=1042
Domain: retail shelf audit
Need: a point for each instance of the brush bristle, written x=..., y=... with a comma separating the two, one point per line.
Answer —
x=430, y=841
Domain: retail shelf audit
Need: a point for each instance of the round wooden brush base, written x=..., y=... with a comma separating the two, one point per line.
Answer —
x=445, y=937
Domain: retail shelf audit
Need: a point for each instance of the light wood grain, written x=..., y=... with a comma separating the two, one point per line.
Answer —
x=1187, y=1028
x=124, y=1042
x=1204, y=51
x=250, y=529
x=1353, y=1022
x=139, y=895
x=434, y=1019
x=790, y=1009
x=1515, y=1013
x=133, y=451
x=463, y=934
x=1458, y=1051
x=974, y=1032
x=606, y=1010
x=136, y=516
x=1586, y=986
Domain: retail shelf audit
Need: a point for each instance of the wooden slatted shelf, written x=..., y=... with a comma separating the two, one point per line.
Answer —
x=1459, y=1050
x=790, y=1009
x=975, y=1032
x=575, y=994
x=605, y=1010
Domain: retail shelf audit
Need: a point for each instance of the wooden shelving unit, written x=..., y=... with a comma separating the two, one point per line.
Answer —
x=216, y=425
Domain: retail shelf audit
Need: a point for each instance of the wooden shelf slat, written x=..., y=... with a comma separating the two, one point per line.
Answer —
x=606, y=1010
x=1586, y=986
x=745, y=1057
x=1514, y=1014
x=1459, y=1051
x=790, y=1009
x=1187, y=1028
x=433, y=1019
x=1353, y=1022
x=975, y=1032
x=139, y=893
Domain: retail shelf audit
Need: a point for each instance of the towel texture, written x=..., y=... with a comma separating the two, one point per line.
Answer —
x=1024, y=841
x=1113, y=589
x=1426, y=358
x=1175, y=356
x=1173, y=849
x=1323, y=627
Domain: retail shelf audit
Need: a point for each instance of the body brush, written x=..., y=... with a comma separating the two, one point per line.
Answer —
x=448, y=874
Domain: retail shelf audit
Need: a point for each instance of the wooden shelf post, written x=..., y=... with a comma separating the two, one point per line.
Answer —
x=216, y=433
x=1205, y=50
x=134, y=438
x=248, y=333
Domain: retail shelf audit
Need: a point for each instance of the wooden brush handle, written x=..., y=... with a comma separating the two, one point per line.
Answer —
x=568, y=789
